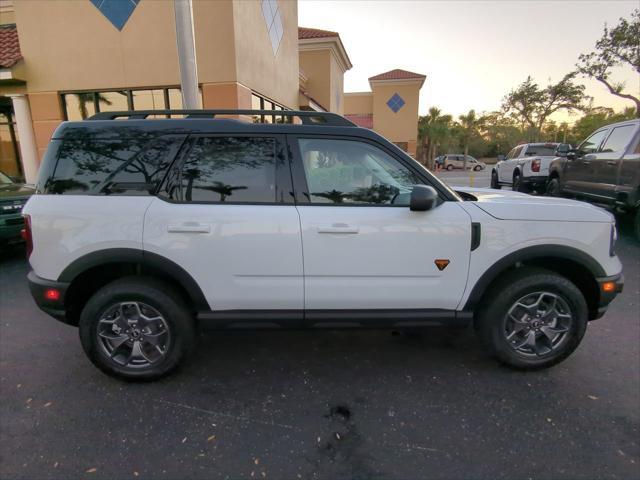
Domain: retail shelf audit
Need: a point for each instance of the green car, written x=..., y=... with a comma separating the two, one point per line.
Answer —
x=13, y=196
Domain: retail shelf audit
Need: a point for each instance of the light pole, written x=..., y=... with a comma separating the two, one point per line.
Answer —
x=187, y=54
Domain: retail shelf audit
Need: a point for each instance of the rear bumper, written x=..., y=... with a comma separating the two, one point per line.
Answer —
x=607, y=295
x=39, y=288
x=539, y=181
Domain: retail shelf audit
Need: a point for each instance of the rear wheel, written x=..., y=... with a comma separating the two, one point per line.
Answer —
x=636, y=224
x=136, y=328
x=517, y=185
x=494, y=180
x=553, y=188
x=536, y=319
x=477, y=168
x=449, y=167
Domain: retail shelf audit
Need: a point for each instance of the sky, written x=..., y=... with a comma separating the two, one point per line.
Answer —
x=473, y=52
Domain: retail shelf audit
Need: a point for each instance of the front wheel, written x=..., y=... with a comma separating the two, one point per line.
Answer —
x=636, y=224
x=449, y=167
x=495, y=183
x=136, y=328
x=535, y=319
x=477, y=168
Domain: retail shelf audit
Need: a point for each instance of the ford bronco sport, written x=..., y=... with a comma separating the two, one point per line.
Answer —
x=143, y=230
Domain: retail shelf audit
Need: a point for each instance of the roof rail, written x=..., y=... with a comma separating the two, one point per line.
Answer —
x=306, y=117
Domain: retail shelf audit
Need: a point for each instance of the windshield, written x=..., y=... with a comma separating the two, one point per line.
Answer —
x=4, y=179
x=541, y=150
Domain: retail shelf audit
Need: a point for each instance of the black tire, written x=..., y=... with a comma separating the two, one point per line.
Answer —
x=449, y=167
x=636, y=224
x=492, y=319
x=177, y=321
x=517, y=185
x=553, y=188
x=494, y=180
x=477, y=168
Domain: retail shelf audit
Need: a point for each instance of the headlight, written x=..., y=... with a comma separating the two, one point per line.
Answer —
x=612, y=240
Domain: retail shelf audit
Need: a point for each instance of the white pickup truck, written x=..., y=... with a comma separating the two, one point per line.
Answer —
x=526, y=167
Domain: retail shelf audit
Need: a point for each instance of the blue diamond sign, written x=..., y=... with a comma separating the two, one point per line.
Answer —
x=395, y=103
x=116, y=11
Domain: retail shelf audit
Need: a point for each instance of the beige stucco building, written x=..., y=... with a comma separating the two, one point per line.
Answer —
x=68, y=59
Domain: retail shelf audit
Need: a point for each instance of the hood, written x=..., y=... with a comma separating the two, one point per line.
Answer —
x=10, y=191
x=507, y=205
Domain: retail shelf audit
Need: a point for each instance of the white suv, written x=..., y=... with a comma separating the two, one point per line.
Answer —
x=143, y=230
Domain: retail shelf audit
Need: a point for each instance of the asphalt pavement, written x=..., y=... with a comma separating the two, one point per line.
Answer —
x=320, y=404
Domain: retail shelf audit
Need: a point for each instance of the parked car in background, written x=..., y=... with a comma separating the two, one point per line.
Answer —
x=526, y=167
x=13, y=196
x=604, y=169
x=451, y=161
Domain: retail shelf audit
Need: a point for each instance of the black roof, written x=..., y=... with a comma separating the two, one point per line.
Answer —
x=109, y=124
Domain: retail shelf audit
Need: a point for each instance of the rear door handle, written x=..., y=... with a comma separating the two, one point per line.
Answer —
x=189, y=227
x=338, y=228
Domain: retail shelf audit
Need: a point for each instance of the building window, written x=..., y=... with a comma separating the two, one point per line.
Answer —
x=81, y=105
x=258, y=102
x=272, y=18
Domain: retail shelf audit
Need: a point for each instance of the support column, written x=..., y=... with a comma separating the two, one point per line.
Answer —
x=28, y=149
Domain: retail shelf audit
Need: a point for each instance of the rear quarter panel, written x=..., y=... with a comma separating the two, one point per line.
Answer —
x=67, y=227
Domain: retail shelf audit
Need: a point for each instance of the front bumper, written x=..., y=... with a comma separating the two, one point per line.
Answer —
x=40, y=287
x=609, y=288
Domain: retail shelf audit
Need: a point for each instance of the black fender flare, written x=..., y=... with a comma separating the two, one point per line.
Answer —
x=144, y=259
x=531, y=253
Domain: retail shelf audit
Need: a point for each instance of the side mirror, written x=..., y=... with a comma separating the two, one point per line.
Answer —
x=572, y=154
x=423, y=198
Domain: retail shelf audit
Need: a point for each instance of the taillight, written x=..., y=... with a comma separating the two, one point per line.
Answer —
x=26, y=234
x=535, y=165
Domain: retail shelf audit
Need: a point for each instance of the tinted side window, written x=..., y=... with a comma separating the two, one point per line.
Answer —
x=619, y=138
x=230, y=169
x=121, y=166
x=351, y=172
x=592, y=143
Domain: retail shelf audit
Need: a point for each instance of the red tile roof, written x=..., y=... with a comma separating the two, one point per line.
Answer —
x=398, y=74
x=307, y=33
x=9, y=46
x=365, y=121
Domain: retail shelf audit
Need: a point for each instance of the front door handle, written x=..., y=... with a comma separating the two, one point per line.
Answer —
x=338, y=228
x=189, y=227
x=612, y=162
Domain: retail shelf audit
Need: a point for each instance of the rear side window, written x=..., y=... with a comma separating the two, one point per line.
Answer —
x=231, y=170
x=120, y=166
x=619, y=138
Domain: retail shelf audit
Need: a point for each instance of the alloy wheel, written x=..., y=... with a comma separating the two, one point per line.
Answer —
x=538, y=324
x=133, y=334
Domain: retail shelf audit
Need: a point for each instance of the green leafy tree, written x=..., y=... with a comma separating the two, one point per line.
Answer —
x=618, y=47
x=532, y=105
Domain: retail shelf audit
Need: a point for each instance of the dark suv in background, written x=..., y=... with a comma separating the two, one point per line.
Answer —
x=603, y=169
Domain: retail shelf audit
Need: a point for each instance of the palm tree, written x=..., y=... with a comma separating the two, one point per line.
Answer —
x=469, y=125
x=433, y=129
x=84, y=98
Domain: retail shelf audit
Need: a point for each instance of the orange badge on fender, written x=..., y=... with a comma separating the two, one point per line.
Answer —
x=441, y=263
